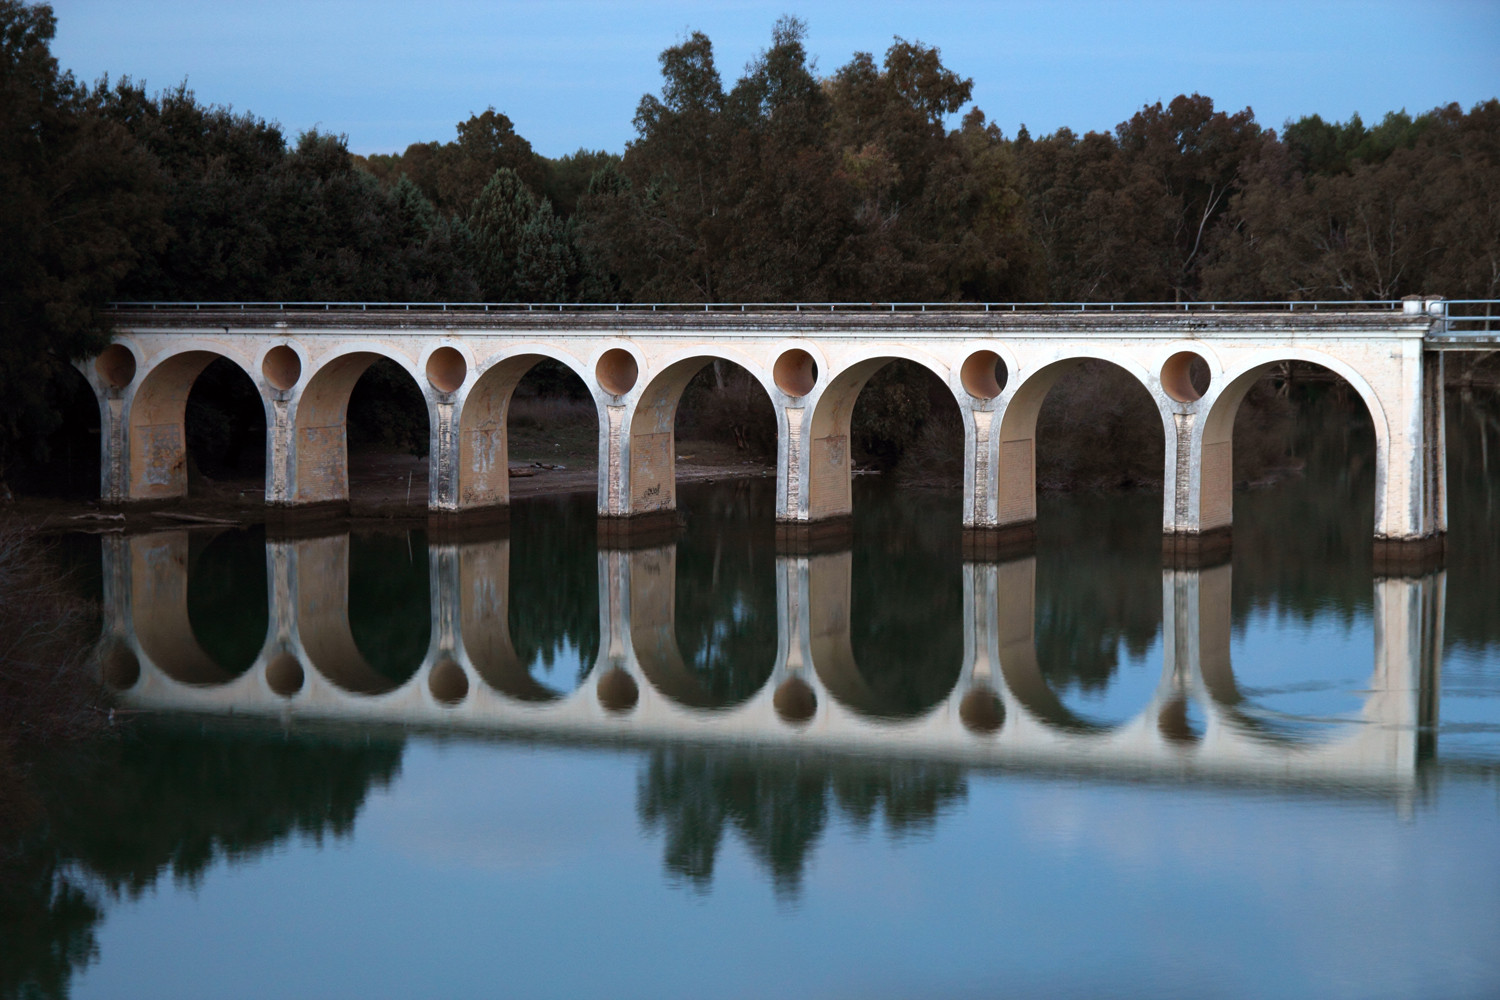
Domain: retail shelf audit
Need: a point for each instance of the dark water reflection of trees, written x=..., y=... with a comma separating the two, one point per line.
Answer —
x=554, y=580
x=780, y=805
x=726, y=614
x=107, y=820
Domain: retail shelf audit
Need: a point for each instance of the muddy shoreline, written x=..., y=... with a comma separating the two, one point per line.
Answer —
x=383, y=488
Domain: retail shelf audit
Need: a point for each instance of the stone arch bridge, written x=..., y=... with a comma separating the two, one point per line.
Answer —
x=998, y=361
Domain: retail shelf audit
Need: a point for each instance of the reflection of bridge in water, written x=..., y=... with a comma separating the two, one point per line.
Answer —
x=1001, y=712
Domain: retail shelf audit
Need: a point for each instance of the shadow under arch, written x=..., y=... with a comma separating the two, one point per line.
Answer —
x=158, y=435
x=830, y=462
x=485, y=419
x=160, y=618
x=322, y=585
x=653, y=429
x=320, y=427
x=1216, y=499
x=1016, y=443
x=225, y=425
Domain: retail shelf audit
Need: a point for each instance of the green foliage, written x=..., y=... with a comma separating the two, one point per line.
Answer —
x=791, y=187
x=521, y=251
x=81, y=204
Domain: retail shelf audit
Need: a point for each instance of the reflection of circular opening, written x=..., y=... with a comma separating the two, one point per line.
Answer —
x=795, y=372
x=795, y=700
x=282, y=368
x=1185, y=377
x=982, y=711
x=983, y=374
x=448, y=682
x=446, y=369
x=617, y=371
x=119, y=666
x=116, y=366
x=1172, y=722
x=284, y=675
x=617, y=690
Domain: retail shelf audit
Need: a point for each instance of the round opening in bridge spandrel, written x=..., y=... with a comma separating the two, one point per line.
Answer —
x=617, y=371
x=618, y=691
x=795, y=700
x=116, y=366
x=1185, y=377
x=983, y=375
x=446, y=369
x=284, y=675
x=795, y=372
x=281, y=367
x=982, y=711
x=448, y=682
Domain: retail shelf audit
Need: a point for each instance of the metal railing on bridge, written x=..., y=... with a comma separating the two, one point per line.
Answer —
x=1478, y=318
x=771, y=307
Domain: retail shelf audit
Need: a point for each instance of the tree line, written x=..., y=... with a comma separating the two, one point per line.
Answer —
x=784, y=185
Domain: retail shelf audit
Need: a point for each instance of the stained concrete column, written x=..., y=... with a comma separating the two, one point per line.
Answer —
x=443, y=409
x=281, y=449
x=110, y=376
x=1411, y=508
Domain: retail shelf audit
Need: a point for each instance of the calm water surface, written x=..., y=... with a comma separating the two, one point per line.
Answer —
x=387, y=765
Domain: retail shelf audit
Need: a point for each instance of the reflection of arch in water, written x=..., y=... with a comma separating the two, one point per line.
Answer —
x=322, y=601
x=157, y=434
x=159, y=607
x=640, y=588
x=484, y=620
x=1003, y=598
x=829, y=610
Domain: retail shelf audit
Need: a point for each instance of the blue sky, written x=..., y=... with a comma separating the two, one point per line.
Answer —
x=569, y=74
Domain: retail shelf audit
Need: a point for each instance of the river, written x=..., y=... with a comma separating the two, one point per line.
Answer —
x=374, y=763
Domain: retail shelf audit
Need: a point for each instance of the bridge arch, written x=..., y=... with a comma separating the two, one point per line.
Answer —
x=1013, y=448
x=828, y=458
x=652, y=439
x=483, y=467
x=318, y=455
x=156, y=414
x=1213, y=489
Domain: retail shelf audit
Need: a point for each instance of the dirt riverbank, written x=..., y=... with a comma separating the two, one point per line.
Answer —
x=382, y=486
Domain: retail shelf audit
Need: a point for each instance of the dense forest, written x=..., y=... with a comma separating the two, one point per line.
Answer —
x=879, y=181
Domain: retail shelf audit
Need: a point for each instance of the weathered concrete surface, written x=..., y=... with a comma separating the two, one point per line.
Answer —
x=812, y=366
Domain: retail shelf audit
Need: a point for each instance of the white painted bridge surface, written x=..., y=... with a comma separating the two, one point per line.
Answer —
x=812, y=365
x=1001, y=712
